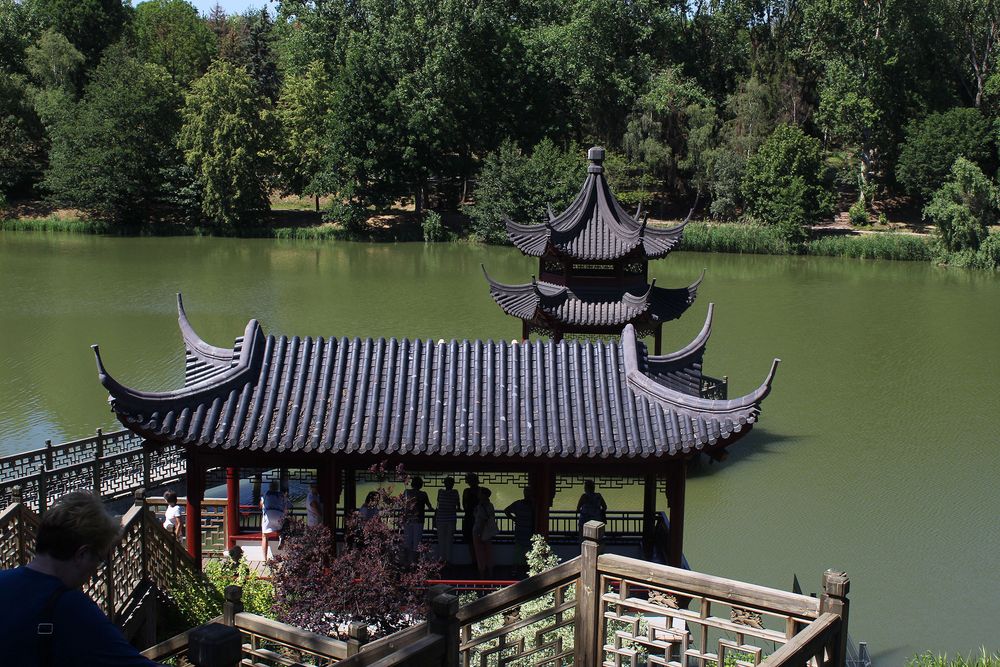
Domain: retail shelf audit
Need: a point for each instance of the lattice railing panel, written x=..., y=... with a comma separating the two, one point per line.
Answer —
x=213, y=521
x=264, y=651
x=538, y=631
x=17, y=537
x=655, y=624
x=126, y=561
x=61, y=481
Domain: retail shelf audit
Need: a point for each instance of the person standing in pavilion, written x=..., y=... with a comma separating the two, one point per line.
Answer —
x=522, y=513
x=470, y=499
x=413, y=520
x=446, y=517
x=274, y=506
x=591, y=506
x=314, y=507
x=484, y=529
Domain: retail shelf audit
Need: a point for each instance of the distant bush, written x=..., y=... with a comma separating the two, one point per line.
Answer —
x=782, y=182
x=963, y=208
x=858, y=214
x=880, y=245
x=736, y=237
x=433, y=228
x=519, y=186
x=933, y=144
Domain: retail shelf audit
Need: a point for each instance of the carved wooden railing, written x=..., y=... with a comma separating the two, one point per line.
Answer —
x=18, y=527
x=112, y=465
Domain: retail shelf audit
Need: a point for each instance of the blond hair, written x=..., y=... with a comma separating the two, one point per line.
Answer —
x=75, y=520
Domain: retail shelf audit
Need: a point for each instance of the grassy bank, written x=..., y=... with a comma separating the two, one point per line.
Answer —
x=929, y=659
x=54, y=223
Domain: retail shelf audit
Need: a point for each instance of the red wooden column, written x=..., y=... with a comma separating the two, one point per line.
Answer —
x=676, y=481
x=232, y=505
x=195, y=494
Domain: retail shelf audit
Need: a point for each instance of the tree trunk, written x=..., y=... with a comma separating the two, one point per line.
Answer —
x=317, y=202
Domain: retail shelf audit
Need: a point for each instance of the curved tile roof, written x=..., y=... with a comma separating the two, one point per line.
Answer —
x=595, y=226
x=541, y=302
x=470, y=398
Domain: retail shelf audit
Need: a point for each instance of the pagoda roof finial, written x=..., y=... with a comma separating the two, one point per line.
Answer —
x=596, y=157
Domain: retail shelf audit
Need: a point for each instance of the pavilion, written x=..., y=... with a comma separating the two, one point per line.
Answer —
x=593, y=268
x=340, y=405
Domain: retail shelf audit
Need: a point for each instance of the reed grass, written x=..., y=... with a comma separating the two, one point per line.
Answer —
x=879, y=245
x=54, y=224
x=736, y=238
x=928, y=659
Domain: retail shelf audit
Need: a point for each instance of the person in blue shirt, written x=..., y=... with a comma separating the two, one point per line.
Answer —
x=46, y=620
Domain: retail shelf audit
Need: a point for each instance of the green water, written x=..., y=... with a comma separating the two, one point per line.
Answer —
x=876, y=452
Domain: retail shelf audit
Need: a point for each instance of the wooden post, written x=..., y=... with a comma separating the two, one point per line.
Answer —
x=836, y=586
x=16, y=499
x=139, y=500
x=98, y=455
x=147, y=464
x=232, y=506
x=233, y=604
x=215, y=645
x=648, y=515
x=675, y=497
x=328, y=486
x=543, y=486
x=524, y=331
x=589, y=624
x=195, y=494
x=357, y=637
x=658, y=340
x=443, y=621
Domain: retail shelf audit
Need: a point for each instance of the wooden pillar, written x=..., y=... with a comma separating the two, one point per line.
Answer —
x=589, y=623
x=524, y=331
x=350, y=490
x=195, y=494
x=676, y=481
x=232, y=506
x=328, y=485
x=543, y=489
x=658, y=340
x=648, y=515
x=836, y=586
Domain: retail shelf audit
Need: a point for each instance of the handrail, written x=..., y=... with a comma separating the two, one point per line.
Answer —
x=171, y=647
x=705, y=584
x=288, y=634
x=522, y=591
x=806, y=644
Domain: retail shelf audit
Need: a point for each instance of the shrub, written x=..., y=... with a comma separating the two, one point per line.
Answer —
x=858, y=214
x=881, y=245
x=963, y=208
x=933, y=144
x=433, y=228
x=736, y=237
x=929, y=659
x=258, y=594
x=781, y=184
x=367, y=582
x=519, y=186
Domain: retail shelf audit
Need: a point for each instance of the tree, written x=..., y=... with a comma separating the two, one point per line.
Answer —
x=672, y=130
x=782, y=183
x=20, y=25
x=224, y=139
x=933, y=144
x=519, y=186
x=22, y=137
x=170, y=33
x=972, y=29
x=302, y=113
x=109, y=153
x=91, y=25
x=964, y=207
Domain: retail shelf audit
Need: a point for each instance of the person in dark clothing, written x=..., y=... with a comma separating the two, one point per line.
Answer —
x=522, y=513
x=413, y=520
x=46, y=620
x=470, y=500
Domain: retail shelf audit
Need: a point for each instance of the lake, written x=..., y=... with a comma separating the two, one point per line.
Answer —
x=876, y=452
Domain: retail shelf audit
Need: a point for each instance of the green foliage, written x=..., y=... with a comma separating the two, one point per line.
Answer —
x=53, y=61
x=858, y=214
x=108, y=153
x=301, y=114
x=433, y=228
x=518, y=186
x=782, y=182
x=22, y=152
x=54, y=224
x=934, y=143
x=20, y=25
x=170, y=33
x=540, y=557
x=225, y=142
x=879, y=245
x=963, y=208
x=755, y=239
x=930, y=659
x=91, y=25
x=258, y=594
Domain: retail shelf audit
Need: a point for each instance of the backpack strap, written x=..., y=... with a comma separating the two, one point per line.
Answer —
x=46, y=628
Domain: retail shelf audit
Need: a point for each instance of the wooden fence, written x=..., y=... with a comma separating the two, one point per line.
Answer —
x=596, y=609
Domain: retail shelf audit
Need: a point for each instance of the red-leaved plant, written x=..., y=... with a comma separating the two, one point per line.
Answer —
x=367, y=581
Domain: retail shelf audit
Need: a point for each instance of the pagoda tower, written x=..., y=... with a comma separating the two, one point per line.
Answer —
x=593, y=268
